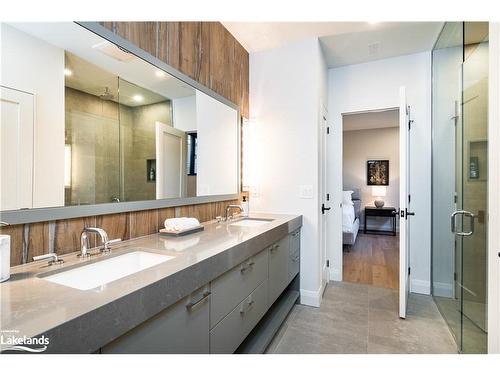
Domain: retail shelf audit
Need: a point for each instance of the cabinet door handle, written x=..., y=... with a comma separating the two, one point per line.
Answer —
x=193, y=305
x=249, y=307
x=247, y=266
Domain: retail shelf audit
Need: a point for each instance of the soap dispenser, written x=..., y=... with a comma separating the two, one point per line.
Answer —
x=245, y=206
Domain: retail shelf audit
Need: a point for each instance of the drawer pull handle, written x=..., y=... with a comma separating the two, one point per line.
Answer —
x=247, y=266
x=250, y=306
x=192, y=305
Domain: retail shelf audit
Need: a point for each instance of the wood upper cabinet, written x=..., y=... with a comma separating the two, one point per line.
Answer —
x=185, y=46
x=204, y=51
x=142, y=34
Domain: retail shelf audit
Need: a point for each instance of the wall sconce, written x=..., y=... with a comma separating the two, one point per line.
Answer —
x=378, y=192
x=67, y=166
x=248, y=154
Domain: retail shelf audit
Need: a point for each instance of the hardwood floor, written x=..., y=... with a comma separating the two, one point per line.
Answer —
x=373, y=260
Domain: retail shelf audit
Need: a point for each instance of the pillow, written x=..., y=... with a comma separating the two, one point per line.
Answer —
x=347, y=197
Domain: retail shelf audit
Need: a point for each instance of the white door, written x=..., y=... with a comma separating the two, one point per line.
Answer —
x=170, y=161
x=404, y=202
x=16, y=142
x=324, y=196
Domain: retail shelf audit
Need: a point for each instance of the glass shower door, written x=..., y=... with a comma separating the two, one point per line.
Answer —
x=459, y=160
x=472, y=188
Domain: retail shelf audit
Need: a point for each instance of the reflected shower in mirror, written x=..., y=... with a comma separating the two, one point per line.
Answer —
x=107, y=126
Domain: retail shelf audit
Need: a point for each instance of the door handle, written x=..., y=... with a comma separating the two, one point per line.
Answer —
x=454, y=222
x=323, y=208
x=408, y=213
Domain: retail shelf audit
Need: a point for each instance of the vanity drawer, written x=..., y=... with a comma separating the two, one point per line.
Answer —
x=294, y=258
x=229, y=289
x=226, y=336
x=279, y=255
x=182, y=328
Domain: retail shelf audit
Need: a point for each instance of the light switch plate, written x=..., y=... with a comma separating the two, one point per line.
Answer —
x=305, y=191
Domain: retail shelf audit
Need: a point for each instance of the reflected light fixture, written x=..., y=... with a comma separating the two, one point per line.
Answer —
x=67, y=166
x=137, y=98
x=68, y=72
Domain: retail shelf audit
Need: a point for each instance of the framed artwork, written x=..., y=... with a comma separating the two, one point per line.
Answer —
x=377, y=172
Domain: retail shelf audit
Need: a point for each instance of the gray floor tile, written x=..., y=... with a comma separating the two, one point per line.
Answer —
x=357, y=318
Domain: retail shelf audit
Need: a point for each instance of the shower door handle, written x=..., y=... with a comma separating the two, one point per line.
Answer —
x=454, y=222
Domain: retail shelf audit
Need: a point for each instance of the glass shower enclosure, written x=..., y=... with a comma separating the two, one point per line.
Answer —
x=459, y=181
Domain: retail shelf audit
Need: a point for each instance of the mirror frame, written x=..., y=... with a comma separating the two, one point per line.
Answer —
x=33, y=215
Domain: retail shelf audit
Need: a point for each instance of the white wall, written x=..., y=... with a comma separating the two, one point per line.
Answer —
x=184, y=113
x=375, y=85
x=287, y=86
x=493, y=188
x=217, y=144
x=33, y=66
x=372, y=144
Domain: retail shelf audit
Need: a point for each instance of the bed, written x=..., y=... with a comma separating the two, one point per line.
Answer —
x=350, y=216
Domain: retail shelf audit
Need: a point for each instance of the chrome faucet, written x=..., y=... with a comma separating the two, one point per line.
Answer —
x=84, y=241
x=52, y=256
x=228, y=208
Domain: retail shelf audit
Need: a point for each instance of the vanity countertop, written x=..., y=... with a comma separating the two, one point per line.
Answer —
x=84, y=320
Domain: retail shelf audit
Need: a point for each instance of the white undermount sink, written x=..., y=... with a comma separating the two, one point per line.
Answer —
x=105, y=271
x=251, y=222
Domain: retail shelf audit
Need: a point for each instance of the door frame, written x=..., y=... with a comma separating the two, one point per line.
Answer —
x=493, y=186
x=324, y=132
x=334, y=230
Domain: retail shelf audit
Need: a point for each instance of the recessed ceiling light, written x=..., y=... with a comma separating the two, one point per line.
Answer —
x=137, y=98
x=373, y=22
x=160, y=73
x=68, y=72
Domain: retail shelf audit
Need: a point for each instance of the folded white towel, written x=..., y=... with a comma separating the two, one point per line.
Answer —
x=181, y=223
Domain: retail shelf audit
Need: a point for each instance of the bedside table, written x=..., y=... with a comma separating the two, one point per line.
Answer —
x=381, y=212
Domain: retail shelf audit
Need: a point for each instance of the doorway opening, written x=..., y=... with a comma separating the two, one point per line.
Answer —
x=370, y=197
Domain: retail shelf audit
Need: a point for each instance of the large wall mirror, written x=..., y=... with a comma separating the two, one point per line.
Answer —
x=85, y=122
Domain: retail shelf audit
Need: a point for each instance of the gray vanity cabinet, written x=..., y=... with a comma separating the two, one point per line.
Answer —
x=232, y=287
x=226, y=336
x=181, y=328
x=279, y=254
x=294, y=258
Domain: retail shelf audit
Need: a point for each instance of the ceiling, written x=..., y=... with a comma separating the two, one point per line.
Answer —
x=344, y=43
x=371, y=120
x=78, y=41
x=93, y=80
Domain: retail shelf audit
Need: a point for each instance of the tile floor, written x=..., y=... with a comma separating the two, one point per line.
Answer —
x=357, y=318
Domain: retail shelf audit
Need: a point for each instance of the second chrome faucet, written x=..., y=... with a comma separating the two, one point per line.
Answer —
x=84, y=241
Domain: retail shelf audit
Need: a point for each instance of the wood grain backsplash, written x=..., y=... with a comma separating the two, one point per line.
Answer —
x=63, y=236
x=204, y=51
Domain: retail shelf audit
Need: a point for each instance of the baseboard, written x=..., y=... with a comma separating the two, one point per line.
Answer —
x=311, y=297
x=420, y=286
x=335, y=274
x=442, y=289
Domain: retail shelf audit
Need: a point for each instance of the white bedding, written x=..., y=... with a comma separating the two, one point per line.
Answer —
x=348, y=217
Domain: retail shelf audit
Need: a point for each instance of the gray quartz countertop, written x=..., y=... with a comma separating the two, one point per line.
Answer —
x=84, y=320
